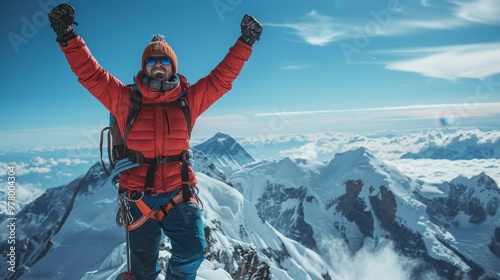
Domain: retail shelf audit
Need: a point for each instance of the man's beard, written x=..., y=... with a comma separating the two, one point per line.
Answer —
x=158, y=74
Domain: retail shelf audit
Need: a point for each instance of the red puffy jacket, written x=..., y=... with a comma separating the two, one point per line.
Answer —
x=158, y=131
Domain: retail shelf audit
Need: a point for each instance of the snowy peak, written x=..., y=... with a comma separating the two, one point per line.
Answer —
x=361, y=158
x=227, y=154
x=467, y=200
x=482, y=182
x=462, y=145
x=360, y=163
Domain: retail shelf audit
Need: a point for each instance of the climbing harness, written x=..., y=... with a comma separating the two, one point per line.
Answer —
x=159, y=214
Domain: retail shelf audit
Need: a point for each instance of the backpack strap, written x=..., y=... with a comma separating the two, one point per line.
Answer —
x=184, y=105
x=186, y=190
x=153, y=163
x=135, y=107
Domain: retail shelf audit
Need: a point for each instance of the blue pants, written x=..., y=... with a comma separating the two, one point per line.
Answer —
x=184, y=228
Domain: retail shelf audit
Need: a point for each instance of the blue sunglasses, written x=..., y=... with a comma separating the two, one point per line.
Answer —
x=164, y=60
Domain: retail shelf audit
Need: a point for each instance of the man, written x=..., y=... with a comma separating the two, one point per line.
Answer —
x=159, y=181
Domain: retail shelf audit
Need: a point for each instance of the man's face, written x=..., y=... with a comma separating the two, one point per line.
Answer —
x=159, y=67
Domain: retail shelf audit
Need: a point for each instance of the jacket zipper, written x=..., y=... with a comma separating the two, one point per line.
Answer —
x=168, y=123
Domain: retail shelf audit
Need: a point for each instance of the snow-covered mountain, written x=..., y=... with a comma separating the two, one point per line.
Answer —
x=226, y=153
x=70, y=233
x=39, y=223
x=205, y=164
x=332, y=213
x=451, y=229
x=463, y=145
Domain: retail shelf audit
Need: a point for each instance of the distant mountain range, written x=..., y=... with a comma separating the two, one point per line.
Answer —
x=451, y=230
x=459, y=146
x=287, y=217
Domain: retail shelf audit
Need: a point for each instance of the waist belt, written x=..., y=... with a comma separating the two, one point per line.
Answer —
x=158, y=215
x=163, y=160
x=154, y=162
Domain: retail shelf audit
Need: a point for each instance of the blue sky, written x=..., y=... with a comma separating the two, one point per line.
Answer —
x=337, y=65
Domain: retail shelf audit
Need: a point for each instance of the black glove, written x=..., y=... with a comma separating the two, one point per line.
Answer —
x=250, y=30
x=61, y=18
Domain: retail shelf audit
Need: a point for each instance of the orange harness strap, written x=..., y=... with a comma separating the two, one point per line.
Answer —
x=157, y=215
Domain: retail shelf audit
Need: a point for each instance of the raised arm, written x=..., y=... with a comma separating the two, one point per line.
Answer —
x=104, y=86
x=210, y=88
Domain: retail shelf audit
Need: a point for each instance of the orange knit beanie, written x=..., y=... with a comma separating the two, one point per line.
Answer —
x=158, y=45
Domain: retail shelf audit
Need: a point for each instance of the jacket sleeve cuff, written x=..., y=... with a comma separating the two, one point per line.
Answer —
x=243, y=49
x=69, y=42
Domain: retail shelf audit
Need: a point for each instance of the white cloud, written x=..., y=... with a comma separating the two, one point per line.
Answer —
x=41, y=170
x=412, y=26
x=452, y=62
x=38, y=160
x=67, y=161
x=321, y=30
x=293, y=113
x=315, y=29
x=307, y=151
x=40, y=165
x=372, y=261
x=461, y=14
x=27, y=193
x=479, y=11
x=424, y=3
x=23, y=168
x=425, y=169
x=294, y=66
x=411, y=111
